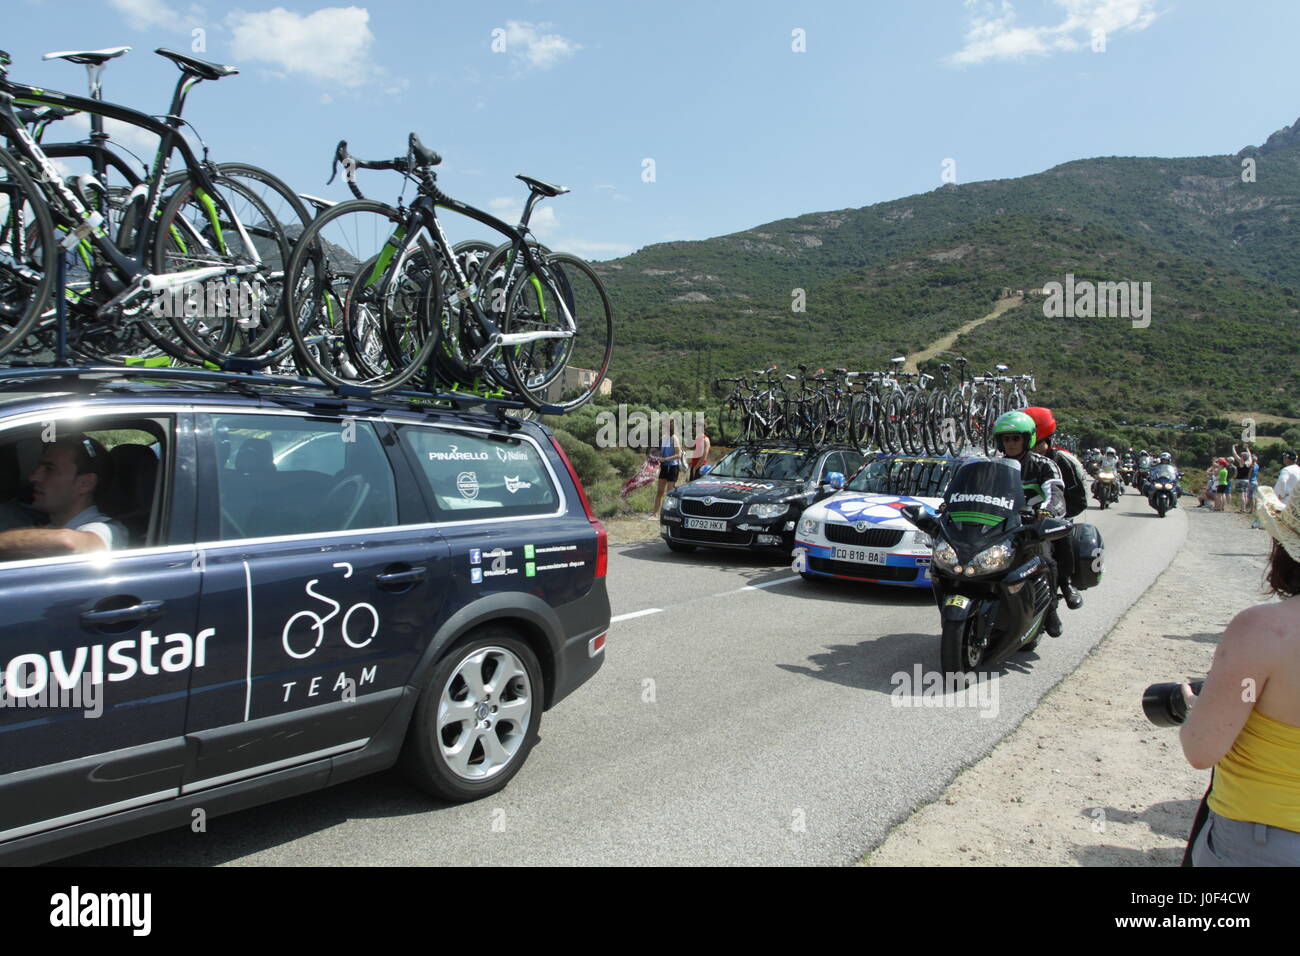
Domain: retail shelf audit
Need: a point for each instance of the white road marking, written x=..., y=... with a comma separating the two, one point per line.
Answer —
x=755, y=587
x=624, y=617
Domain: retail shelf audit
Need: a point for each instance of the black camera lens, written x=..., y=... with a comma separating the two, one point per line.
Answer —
x=1164, y=705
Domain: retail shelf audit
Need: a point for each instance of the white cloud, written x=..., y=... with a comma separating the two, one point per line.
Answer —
x=590, y=249
x=994, y=34
x=156, y=14
x=529, y=43
x=543, y=221
x=331, y=45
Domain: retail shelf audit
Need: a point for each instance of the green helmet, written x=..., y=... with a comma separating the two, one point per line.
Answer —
x=1016, y=423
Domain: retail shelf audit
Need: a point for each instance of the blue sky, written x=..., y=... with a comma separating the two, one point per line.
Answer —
x=742, y=127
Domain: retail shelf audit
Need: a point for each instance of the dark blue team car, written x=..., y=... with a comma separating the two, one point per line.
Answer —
x=309, y=589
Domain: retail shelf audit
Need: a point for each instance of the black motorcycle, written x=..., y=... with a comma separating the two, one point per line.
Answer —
x=991, y=579
x=1162, y=489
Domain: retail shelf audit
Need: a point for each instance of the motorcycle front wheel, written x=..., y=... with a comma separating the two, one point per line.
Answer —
x=960, y=650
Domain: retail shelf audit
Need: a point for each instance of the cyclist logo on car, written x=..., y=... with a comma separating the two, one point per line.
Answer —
x=316, y=622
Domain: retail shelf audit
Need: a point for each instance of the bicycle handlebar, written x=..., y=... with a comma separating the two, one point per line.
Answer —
x=418, y=160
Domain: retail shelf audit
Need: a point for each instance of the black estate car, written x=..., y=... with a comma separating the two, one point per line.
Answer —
x=753, y=497
x=298, y=589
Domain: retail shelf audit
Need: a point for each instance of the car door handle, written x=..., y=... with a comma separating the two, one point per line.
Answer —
x=400, y=579
x=144, y=611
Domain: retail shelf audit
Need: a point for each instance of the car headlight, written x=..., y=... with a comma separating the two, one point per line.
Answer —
x=944, y=555
x=809, y=527
x=995, y=558
x=670, y=504
x=769, y=510
x=922, y=540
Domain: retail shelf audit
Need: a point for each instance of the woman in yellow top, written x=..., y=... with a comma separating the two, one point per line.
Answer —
x=1246, y=721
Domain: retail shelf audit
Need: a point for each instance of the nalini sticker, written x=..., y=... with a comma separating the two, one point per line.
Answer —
x=467, y=484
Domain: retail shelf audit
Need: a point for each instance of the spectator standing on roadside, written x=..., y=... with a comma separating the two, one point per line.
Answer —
x=1242, y=462
x=699, y=453
x=1221, y=486
x=1288, y=479
x=670, y=458
x=1253, y=740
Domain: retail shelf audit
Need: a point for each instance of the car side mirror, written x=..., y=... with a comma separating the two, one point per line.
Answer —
x=918, y=516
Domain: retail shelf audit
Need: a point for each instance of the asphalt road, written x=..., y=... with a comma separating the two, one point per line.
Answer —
x=742, y=716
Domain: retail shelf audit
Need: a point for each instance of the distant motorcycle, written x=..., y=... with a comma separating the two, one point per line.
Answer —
x=1162, y=489
x=1126, y=475
x=1106, y=488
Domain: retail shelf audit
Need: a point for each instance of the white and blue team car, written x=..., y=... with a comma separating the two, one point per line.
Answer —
x=858, y=534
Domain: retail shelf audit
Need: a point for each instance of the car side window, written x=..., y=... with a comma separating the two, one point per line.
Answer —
x=43, y=484
x=284, y=475
x=834, y=462
x=471, y=475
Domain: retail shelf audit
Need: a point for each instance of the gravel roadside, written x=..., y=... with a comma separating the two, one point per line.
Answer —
x=1085, y=780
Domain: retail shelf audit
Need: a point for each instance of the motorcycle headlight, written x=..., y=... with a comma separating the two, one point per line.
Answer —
x=769, y=510
x=995, y=558
x=809, y=527
x=670, y=504
x=944, y=555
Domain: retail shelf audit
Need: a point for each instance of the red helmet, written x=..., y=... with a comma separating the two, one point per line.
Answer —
x=1043, y=420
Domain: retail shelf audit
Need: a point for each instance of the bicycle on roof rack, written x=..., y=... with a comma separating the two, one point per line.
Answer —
x=530, y=315
x=129, y=247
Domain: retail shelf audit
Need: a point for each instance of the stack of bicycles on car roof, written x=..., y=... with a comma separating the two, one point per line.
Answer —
x=222, y=265
x=894, y=411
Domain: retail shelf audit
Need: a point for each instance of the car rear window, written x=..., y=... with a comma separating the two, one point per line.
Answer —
x=476, y=475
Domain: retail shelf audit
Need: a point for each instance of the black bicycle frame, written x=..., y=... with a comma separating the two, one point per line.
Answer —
x=131, y=265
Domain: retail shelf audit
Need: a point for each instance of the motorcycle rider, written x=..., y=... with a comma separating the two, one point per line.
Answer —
x=1015, y=436
x=1072, y=474
x=1110, y=460
x=1143, y=469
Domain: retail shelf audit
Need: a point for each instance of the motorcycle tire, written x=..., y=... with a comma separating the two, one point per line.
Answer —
x=958, y=653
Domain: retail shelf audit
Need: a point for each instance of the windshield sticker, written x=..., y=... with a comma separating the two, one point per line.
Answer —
x=506, y=454
x=737, y=483
x=455, y=455
x=467, y=484
x=514, y=484
x=1006, y=504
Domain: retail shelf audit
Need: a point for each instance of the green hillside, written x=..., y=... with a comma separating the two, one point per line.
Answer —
x=1222, y=255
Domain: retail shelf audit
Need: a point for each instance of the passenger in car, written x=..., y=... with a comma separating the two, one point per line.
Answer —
x=65, y=481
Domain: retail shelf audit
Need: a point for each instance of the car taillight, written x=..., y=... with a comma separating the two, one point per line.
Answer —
x=602, y=537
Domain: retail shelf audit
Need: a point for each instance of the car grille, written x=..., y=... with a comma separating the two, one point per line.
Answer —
x=852, y=569
x=871, y=538
x=712, y=537
x=719, y=509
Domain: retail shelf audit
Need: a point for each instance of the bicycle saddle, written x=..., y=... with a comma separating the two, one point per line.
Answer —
x=88, y=57
x=546, y=189
x=423, y=155
x=196, y=67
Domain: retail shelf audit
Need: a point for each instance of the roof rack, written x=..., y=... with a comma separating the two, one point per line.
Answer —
x=266, y=386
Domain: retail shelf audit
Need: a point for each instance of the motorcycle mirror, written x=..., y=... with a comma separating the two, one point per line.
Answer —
x=918, y=516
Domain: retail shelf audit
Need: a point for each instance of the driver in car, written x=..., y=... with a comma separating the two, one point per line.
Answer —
x=70, y=472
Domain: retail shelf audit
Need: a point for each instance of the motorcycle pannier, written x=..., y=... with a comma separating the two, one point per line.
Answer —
x=1089, y=556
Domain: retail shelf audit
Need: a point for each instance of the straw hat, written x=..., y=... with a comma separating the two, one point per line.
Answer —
x=1282, y=522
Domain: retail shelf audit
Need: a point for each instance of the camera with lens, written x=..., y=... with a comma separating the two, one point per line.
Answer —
x=1164, y=704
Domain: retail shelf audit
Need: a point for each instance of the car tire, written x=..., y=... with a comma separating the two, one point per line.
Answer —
x=680, y=548
x=430, y=756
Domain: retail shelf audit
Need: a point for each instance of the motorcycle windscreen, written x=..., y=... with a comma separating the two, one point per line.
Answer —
x=984, y=498
x=1164, y=473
